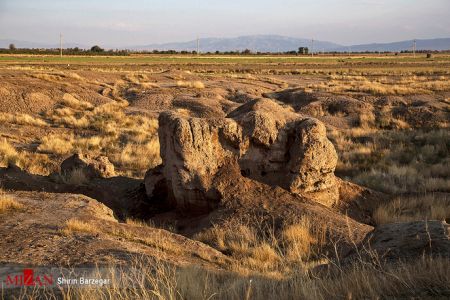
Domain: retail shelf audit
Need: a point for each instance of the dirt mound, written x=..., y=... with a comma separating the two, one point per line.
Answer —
x=358, y=202
x=202, y=103
x=420, y=111
x=414, y=111
x=246, y=199
x=339, y=111
x=71, y=230
x=92, y=167
x=14, y=99
x=37, y=92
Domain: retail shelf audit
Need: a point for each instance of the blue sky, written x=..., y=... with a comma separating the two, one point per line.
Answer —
x=137, y=22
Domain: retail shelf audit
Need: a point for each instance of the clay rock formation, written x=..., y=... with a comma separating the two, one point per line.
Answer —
x=267, y=142
x=284, y=148
x=93, y=167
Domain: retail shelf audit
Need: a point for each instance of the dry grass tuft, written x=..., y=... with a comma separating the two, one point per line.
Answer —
x=149, y=85
x=301, y=240
x=138, y=156
x=140, y=223
x=8, y=154
x=191, y=84
x=57, y=76
x=75, y=225
x=366, y=119
x=56, y=144
x=70, y=101
x=22, y=119
x=37, y=163
x=8, y=203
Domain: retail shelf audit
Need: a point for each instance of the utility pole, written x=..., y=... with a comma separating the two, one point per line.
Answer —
x=414, y=48
x=312, y=47
x=198, y=46
x=60, y=44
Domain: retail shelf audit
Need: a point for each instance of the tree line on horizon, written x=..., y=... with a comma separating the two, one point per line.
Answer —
x=97, y=50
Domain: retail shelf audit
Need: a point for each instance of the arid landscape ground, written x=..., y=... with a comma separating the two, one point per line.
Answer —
x=245, y=177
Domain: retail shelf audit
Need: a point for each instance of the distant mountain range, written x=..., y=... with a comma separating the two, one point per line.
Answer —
x=262, y=43
x=430, y=44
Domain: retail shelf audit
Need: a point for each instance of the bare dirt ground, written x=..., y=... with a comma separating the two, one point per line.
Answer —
x=274, y=168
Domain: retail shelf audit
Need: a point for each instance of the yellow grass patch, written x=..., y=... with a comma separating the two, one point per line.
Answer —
x=191, y=84
x=8, y=154
x=22, y=119
x=401, y=85
x=75, y=225
x=8, y=203
x=72, y=102
x=56, y=144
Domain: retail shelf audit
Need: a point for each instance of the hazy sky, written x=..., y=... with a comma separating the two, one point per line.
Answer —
x=137, y=22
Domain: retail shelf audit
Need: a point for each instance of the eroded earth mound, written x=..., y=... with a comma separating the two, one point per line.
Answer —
x=267, y=142
x=71, y=229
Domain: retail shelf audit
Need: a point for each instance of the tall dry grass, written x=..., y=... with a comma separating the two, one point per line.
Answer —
x=146, y=278
x=260, y=247
x=394, y=161
x=414, y=208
